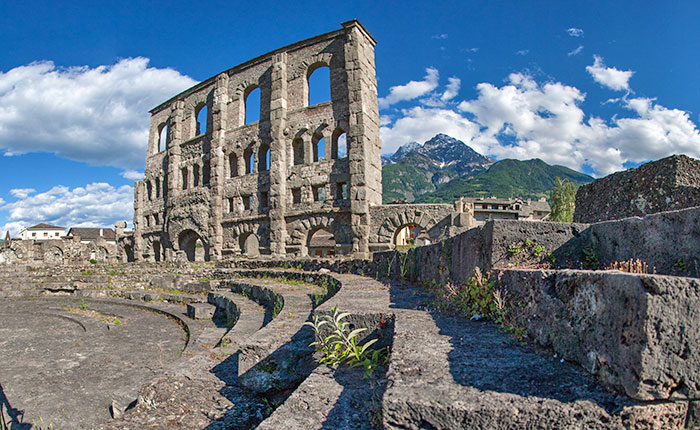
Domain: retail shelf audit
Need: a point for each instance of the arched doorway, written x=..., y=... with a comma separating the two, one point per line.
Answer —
x=128, y=254
x=250, y=245
x=409, y=235
x=321, y=243
x=192, y=244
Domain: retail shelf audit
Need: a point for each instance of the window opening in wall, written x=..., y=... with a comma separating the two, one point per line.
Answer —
x=321, y=243
x=319, y=147
x=246, y=202
x=149, y=190
x=206, y=172
x=157, y=181
x=319, y=86
x=165, y=185
x=230, y=204
x=249, y=161
x=252, y=106
x=195, y=175
x=201, y=120
x=339, y=145
x=342, y=191
x=163, y=136
x=155, y=219
x=264, y=200
x=296, y=195
x=264, y=158
x=319, y=193
x=148, y=220
x=184, y=178
x=298, y=148
x=232, y=165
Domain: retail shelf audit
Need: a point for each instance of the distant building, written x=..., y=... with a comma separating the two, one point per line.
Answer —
x=486, y=209
x=90, y=234
x=43, y=231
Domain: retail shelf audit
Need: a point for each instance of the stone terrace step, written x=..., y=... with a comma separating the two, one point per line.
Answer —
x=453, y=373
x=340, y=398
x=249, y=317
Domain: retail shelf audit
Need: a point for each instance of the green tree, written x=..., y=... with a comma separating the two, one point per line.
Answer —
x=563, y=198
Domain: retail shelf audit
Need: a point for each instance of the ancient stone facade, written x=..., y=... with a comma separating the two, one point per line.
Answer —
x=671, y=183
x=58, y=251
x=218, y=187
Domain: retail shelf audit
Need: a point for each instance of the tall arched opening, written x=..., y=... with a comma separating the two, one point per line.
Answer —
x=321, y=243
x=192, y=244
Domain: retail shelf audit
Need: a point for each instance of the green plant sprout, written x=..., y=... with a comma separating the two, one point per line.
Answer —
x=340, y=346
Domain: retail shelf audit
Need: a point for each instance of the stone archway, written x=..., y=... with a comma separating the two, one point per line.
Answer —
x=394, y=225
x=128, y=255
x=321, y=243
x=190, y=242
x=53, y=255
x=250, y=245
x=157, y=251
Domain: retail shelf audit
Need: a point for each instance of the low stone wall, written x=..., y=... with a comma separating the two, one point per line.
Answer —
x=637, y=333
x=56, y=252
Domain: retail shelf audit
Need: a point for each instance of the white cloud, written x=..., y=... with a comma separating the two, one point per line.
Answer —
x=94, y=115
x=440, y=36
x=22, y=193
x=609, y=76
x=384, y=119
x=523, y=52
x=525, y=119
x=411, y=90
x=575, y=51
x=94, y=205
x=452, y=89
x=575, y=32
x=133, y=175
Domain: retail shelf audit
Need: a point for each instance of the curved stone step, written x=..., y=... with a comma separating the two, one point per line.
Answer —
x=249, y=317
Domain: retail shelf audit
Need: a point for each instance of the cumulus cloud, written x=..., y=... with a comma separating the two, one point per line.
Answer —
x=94, y=115
x=452, y=89
x=575, y=51
x=574, y=32
x=22, y=193
x=133, y=175
x=411, y=90
x=609, y=76
x=94, y=205
x=526, y=119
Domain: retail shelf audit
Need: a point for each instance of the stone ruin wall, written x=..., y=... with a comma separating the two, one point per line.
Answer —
x=212, y=213
x=671, y=183
x=57, y=252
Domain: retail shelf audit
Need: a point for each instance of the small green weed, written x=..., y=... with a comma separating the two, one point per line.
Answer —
x=93, y=261
x=88, y=273
x=84, y=306
x=341, y=347
x=117, y=321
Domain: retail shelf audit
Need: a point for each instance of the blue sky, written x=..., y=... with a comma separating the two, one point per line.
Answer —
x=596, y=86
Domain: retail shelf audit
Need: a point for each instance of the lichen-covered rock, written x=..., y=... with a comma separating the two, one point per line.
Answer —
x=667, y=184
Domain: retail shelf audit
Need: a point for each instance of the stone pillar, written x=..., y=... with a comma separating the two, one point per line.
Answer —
x=139, y=187
x=174, y=154
x=217, y=166
x=278, y=155
x=364, y=144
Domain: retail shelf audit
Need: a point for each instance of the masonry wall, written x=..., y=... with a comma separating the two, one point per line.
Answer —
x=202, y=191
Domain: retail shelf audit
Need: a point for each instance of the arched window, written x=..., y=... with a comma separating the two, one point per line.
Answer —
x=184, y=178
x=249, y=157
x=252, y=106
x=195, y=175
x=319, y=147
x=149, y=190
x=162, y=141
x=206, y=172
x=339, y=145
x=298, y=148
x=264, y=158
x=319, y=82
x=321, y=243
x=232, y=165
x=201, y=114
x=157, y=188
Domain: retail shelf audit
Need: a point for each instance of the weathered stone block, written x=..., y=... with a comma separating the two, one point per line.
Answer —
x=637, y=333
x=200, y=311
